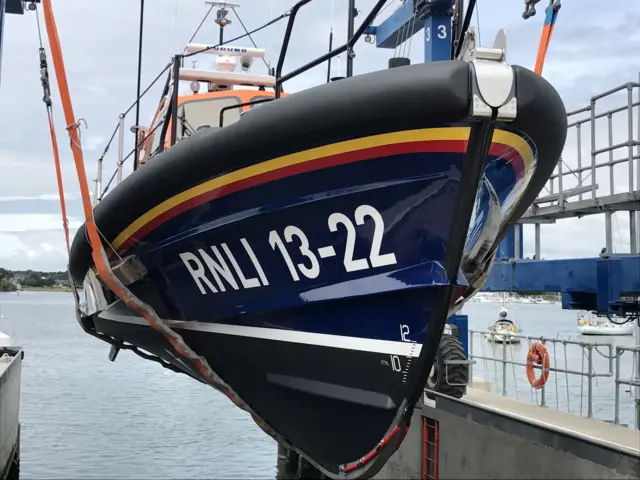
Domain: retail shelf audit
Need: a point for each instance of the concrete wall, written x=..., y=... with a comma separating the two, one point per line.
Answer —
x=477, y=443
x=10, y=375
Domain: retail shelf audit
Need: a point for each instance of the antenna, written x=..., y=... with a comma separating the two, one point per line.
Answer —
x=221, y=15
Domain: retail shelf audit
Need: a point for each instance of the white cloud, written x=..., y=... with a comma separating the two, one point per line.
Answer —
x=16, y=222
x=46, y=197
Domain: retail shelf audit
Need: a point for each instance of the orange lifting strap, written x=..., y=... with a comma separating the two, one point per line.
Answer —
x=98, y=254
x=56, y=158
x=545, y=38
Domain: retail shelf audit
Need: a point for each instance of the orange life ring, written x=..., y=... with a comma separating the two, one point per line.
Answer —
x=537, y=355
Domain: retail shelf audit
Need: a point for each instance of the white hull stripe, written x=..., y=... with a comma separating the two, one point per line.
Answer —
x=406, y=349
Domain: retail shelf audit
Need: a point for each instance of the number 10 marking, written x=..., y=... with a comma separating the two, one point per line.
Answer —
x=376, y=259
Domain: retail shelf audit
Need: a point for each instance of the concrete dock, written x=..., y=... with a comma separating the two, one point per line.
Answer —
x=10, y=376
x=484, y=435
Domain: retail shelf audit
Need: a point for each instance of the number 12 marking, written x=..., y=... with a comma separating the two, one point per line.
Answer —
x=376, y=259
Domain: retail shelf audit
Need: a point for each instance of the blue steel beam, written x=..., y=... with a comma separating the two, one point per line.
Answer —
x=507, y=248
x=598, y=284
x=431, y=16
x=399, y=23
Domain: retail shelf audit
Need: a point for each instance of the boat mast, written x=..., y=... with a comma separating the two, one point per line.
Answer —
x=221, y=16
x=350, y=26
x=137, y=130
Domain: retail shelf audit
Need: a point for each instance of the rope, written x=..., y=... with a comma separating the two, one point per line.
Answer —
x=410, y=36
x=199, y=26
x=146, y=137
x=465, y=26
x=255, y=30
x=148, y=88
x=128, y=110
x=135, y=163
x=98, y=254
x=478, y=21
x=248, y=34
x=44, y=77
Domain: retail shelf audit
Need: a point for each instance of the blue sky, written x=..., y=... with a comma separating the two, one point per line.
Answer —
x=593, y=49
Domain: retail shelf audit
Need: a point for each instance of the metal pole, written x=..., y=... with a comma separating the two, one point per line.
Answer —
x=329, y=61
x=608, y=232
x=608, y=215
x=632, y=215
x=616, y=405
x=98, y=182
x=638, y=177
x=579, y=137
x=592, y=124
x=135, y=158
x=121, y=148
x=470, y=337
x=350, y=25
x=504, y=367
x=590, y=384
x=637, y=379
x=593, y=151
x=174, y=99
x=537, y=241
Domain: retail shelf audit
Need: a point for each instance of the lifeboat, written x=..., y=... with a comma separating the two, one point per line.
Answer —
x=309, y=247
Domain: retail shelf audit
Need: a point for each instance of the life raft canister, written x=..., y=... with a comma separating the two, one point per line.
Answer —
x=537, y=355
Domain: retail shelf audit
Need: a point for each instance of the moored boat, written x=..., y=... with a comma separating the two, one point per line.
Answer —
x=587, y=326
x=503, y=330
x=301, y=253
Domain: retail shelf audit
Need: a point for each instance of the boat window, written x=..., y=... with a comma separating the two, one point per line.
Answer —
x=195, y=115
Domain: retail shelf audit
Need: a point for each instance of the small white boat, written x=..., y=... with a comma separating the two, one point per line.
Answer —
x=503, y=330
x=587, y=326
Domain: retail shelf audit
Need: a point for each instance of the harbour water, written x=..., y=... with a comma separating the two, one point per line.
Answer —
x=85, y=417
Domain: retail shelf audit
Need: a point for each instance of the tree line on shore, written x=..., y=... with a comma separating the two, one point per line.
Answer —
x=9, y=279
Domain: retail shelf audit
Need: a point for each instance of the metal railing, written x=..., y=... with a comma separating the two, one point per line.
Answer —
x=632, y=381
x=585, y=195
x=589, y=372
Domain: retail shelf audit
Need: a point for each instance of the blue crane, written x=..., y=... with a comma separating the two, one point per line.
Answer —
x=608, y=284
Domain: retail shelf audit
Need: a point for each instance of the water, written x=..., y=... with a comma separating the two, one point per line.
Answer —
x=563, y=392
x=85, y=417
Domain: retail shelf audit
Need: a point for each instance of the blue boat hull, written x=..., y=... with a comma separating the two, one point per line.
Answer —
x=316, y=282
x=318, y=303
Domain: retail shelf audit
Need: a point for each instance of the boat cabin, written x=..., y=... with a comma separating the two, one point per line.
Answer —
x=217, y=98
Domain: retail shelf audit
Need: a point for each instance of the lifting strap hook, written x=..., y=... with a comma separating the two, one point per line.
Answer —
x=529, y=8
x=44, y=78
x=78, y=123
x=76, y=126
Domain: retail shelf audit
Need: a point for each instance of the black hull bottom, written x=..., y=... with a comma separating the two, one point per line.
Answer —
x=294, y=384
